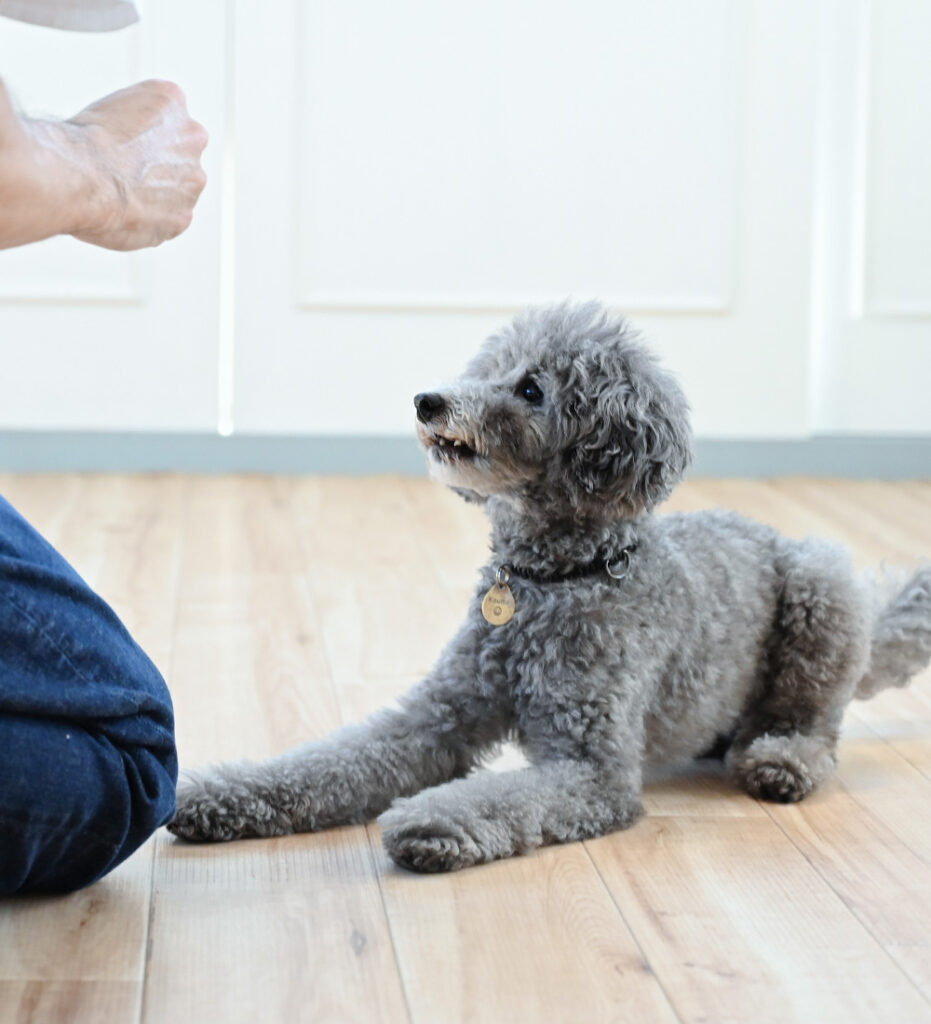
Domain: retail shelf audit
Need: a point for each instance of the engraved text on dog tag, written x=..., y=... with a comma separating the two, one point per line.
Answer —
x=498, y=604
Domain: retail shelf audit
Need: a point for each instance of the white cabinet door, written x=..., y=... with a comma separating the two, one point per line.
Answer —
x=409, y=174
x=99, y=340
x=872, y=338
x=388, y=182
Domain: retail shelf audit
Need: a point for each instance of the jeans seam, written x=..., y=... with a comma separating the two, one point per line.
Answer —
x=49, y=639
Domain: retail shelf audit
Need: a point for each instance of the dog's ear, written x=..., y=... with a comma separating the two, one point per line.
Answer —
x=638, y=442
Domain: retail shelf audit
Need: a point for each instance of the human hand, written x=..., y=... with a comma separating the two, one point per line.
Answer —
x=144, y=176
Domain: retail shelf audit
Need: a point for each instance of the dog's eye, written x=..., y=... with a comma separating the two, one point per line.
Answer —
x=529, y=390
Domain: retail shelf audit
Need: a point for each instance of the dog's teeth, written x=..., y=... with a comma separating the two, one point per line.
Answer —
x=457, y=444
x=442, y=441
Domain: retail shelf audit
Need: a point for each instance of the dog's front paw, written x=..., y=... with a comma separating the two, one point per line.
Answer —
x=215, y=811
x=420, y=843
x=430, y=853
x=205, y=814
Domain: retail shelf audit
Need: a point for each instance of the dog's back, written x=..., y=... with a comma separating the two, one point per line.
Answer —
x=901, y=635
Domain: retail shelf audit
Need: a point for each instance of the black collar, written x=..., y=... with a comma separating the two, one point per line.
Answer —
x=616, y=566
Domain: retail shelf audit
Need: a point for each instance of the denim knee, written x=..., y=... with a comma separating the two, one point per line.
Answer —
x=74, y=804
x=87, y=755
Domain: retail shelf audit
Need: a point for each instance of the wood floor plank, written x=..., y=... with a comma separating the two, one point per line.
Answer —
x=250, y=676
x=285, y=929
x=68, y=1002
x=454, y=535
x=738, y=926
x=96, y=934
x=303, y=603
x=890, y=788
x=123, y=537
x=702, y=789
x=289, y=929
x=915, y=961
x=686, y=498
x=902, y=717
x=44, y=499
x=897, y=505
x=776, y=503
x=385, y=614
x=885, y=881
x=856, y=517
x=529, y=939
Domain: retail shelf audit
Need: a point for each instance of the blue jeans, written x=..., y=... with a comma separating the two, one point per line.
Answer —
x=87, y=755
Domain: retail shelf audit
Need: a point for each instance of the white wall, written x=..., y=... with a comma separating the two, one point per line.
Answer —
x=96, y=339
x=747, y=178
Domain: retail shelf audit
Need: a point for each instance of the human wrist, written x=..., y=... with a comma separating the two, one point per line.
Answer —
x=69, y=171
x=52, y=181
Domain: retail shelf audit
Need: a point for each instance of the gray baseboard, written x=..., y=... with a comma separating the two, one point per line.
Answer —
x=888, y=458
x=857, y=457
x=208, y=453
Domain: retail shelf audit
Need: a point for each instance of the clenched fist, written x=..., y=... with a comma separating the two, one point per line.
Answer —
x=148, y=149
x=124, y=173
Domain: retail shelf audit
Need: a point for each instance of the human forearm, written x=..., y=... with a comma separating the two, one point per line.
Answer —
x=124, y=173
x=47, y=185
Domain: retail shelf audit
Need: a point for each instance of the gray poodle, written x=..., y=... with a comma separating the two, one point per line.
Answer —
x=602, y=638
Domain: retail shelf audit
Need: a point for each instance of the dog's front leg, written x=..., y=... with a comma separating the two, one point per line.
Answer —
x=443, y=727
x=493, y=815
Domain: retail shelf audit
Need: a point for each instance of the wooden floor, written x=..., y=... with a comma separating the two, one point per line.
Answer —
x=279, y=608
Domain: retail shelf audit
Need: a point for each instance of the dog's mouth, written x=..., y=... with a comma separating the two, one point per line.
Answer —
x=448, y=447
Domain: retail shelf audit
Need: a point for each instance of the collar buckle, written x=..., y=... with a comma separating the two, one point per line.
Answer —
x=621, y=567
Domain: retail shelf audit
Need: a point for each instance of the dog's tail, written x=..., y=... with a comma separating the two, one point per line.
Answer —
x=900, y=645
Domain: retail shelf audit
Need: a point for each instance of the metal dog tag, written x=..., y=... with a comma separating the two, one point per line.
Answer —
x=498, y=604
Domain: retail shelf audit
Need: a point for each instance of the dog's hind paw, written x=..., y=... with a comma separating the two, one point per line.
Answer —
x=779, y=783
x=784, y=769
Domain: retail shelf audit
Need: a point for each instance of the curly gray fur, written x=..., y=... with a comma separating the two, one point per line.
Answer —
x=570, y=433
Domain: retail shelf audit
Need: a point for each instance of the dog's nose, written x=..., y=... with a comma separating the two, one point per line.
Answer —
x=429, y=405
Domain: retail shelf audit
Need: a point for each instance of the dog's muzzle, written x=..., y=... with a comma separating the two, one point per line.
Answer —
x=429, y=406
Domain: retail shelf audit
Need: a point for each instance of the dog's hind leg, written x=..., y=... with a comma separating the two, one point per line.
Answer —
x=493, y=815
x=786, y=744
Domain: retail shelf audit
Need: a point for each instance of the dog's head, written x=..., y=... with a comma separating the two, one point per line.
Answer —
x=563, y=408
